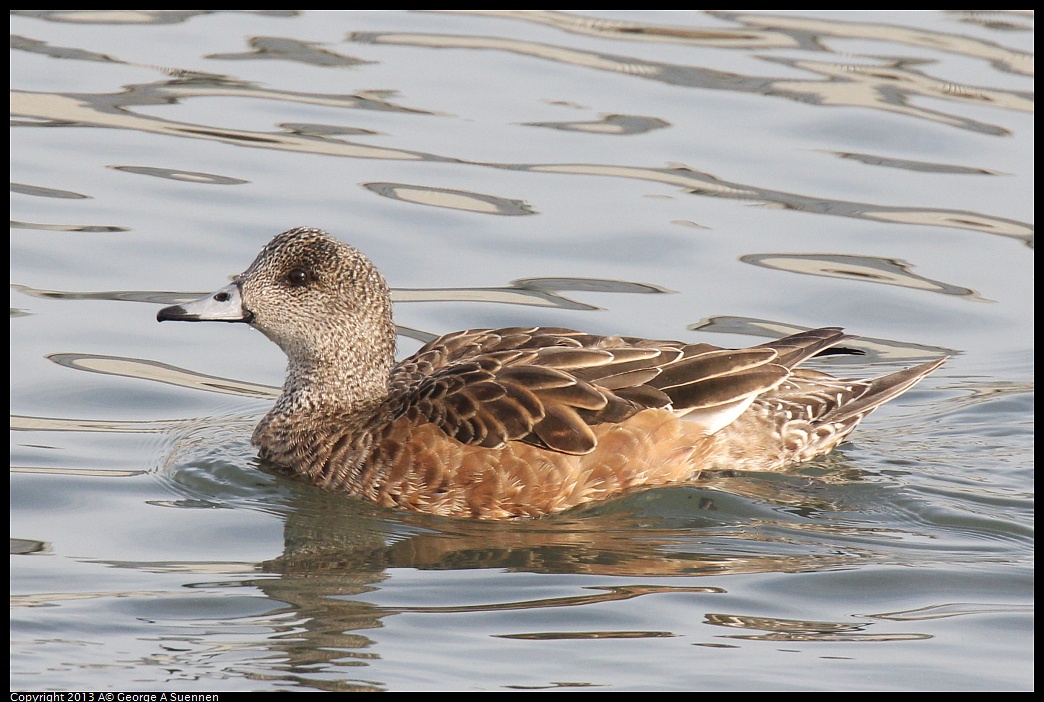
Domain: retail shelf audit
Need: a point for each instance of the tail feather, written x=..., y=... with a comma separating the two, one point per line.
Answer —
x=881, y=390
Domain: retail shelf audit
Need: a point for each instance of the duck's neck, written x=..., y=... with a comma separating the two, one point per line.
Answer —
x=321, y=403
x=351, y=381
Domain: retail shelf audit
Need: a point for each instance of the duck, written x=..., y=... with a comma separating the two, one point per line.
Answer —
x=519, y=422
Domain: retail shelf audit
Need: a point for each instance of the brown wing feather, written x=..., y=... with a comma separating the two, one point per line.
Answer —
x=542, y=391
x=796, y=348
x=548, y=386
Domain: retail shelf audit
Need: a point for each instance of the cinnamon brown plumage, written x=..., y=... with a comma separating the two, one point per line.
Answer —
x=516, y=422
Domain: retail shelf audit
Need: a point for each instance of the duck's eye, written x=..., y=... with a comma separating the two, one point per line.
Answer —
x=298, y=277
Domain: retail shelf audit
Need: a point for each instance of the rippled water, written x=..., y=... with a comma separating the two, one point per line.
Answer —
x=707, y=176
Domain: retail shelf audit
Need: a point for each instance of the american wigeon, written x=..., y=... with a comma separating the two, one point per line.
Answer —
x=516, y=422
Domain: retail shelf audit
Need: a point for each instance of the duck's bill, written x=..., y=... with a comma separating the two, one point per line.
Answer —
x=224, y=305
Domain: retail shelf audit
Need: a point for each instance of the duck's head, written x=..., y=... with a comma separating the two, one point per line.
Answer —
x=322, y=301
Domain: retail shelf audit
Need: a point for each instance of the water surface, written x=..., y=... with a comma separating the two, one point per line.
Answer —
x=708, y=176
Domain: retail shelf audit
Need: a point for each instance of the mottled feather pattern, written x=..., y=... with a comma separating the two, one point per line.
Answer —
x=554, y=384
x=521, y=421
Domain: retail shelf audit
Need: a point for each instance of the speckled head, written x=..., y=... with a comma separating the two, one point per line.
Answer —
x=314, y=295
x=322, y=301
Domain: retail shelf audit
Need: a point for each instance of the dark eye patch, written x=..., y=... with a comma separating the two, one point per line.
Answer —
x=298, y=277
